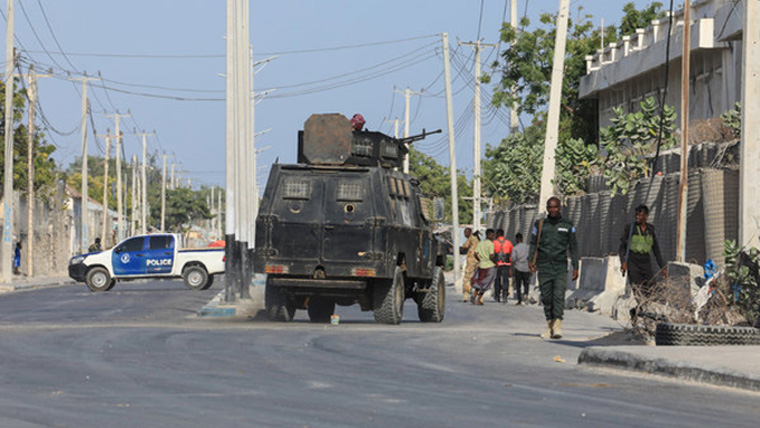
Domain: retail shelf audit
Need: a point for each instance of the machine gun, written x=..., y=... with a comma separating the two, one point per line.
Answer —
x=418, y=137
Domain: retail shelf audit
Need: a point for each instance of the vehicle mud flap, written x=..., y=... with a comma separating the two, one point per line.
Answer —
x=431, y=304
x=388, y=299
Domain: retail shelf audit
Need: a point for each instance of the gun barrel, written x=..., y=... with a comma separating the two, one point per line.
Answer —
x=418, y=137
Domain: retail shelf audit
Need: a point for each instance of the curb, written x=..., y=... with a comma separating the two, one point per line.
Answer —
x=607, y=357
x=213, y=309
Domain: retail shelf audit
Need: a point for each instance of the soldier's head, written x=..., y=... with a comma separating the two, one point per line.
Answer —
x=642, y=213
x=499, y=233
x=518, y=237
x=553, y=207
x=97, y=240
x=489, y=234
x=467, y=232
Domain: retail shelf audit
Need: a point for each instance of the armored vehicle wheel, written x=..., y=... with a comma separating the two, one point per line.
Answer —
x=320, y=309
x=196, y=278
x=98, y=279
x=389, y=298
x=431, y=306
x=276, y=304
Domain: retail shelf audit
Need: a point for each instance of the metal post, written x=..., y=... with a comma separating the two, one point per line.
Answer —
x=555, y=99
x=683, y=200
x=10, y=63
x=452, y=154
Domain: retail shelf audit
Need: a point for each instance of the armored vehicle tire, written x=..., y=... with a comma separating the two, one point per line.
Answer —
x=703, y=335
x=276, y=304
x=431, y=305
x=196, y=278
x=320, y=309
x=388, y=299
x=98, y=279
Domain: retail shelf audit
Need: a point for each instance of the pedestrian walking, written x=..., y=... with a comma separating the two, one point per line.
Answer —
x=17, y=259
x=551, y=239
x=502, y=247
x=521, y=269
x=486, y=273
x=468, y=248
x=636, y=243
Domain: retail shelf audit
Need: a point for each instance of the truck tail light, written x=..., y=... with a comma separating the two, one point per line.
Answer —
x=364, y=272
x=275, y=269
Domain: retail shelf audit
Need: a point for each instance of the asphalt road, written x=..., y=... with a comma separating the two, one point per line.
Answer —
x=138, y=357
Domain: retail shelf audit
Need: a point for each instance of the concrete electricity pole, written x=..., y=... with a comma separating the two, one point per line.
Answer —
x=163, y=196
x=10, y=64
x=476, y=187
x=683, y=187
x=103, y=229
x=749, y=187
x=119, y=201
x=452, y=154
x=172, y=183
x=31, y=93
x=555, y=98
x=133, y=215
x=407, y=94
x=84, y=212
x=144, y=179
x=514, y=118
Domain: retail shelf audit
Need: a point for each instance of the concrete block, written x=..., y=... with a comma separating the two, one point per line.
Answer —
x=601, y=284
x=694, y=273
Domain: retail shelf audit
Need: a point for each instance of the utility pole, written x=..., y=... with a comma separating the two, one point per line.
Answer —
x=144, y=175
x=407, y=94
x=84, y=212
x=172, y=183
x=476, y=191
x=31, y=93
x=103, y=229
x=555, y=98
x=133, y=217
x=163, y=196
x=514, y=118
x=749, y=187
x=10, y=64
x=452, y=154
x=119, y=202
x=683, y=187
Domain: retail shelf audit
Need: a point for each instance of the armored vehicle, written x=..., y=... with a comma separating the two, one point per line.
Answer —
x=344, y=226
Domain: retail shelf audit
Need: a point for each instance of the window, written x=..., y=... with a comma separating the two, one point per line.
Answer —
x=131, y=245
x=160, y=242
x=362, y=147
x=389, y=149
x=350, y=191
x=392, y=186
x=297, y=189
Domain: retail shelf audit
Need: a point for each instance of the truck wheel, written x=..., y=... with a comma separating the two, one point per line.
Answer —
x=208, y=283
x=276, y=304
x=389, y=299
x=431, y=306
x=98, y=279
x=320, y=309
x=196, y=278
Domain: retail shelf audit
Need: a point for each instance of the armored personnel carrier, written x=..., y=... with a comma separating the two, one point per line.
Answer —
x=345, y=226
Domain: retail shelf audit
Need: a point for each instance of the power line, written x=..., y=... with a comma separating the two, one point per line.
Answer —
x=52, y=33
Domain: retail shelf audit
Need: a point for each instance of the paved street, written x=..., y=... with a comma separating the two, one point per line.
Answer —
x=138, y=356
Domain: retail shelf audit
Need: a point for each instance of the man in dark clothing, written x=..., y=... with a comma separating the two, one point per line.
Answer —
x=637, y=241
x=551, y=239
x=503, y=250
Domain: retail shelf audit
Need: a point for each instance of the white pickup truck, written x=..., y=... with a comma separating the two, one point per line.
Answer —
x=155, y=255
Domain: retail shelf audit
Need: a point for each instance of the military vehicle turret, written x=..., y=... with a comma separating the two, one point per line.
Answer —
x=345, y=226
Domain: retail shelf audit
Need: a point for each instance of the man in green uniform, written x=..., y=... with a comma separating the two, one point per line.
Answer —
x=550, y=241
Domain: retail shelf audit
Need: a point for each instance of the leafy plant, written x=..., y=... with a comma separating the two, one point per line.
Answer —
x=630, y=139
x=576, y=160
x=741, y=268
x=733, y=119
x=513, y=169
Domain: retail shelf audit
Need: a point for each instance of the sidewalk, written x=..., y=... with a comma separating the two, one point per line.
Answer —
x=21, y=282
x=732, y=366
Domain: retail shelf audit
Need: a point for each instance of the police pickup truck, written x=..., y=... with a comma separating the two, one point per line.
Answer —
x=148, y=256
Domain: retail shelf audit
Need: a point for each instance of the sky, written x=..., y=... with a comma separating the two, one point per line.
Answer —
x=163, y=62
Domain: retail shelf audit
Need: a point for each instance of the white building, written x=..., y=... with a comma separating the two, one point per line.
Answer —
x=625, y=73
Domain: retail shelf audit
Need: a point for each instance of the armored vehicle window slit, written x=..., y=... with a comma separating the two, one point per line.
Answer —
x=407, y=191
x=362, y=147
x=388, y=149
x=350, y=191
x=392, y=186
x=297, y=189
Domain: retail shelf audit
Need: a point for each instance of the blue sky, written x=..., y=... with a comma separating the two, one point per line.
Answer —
x=162, y=61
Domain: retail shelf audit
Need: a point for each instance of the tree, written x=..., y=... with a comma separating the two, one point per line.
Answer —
x=512, y=170
x=435, y=181
x=183, y=207
x=634, y=18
